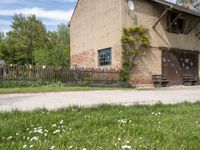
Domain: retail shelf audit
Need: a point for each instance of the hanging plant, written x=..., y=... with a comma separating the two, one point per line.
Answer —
x=135, y=41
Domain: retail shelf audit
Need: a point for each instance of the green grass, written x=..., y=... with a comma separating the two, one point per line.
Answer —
x=159, y=127
x=43, y=89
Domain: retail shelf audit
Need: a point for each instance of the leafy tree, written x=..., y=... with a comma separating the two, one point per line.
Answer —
x=196, y=3
x=27, y=35
x=56, y=53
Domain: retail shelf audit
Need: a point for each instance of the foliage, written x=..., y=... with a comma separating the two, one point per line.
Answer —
x=57, y=51
x=103, y=127
x=135, y=41
x=29, y=43
x=196, y=3
x=27, y=35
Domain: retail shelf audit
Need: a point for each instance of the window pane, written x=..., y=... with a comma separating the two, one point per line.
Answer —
x=105, y=57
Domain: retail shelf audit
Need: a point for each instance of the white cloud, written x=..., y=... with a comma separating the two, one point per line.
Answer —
x=39, y=12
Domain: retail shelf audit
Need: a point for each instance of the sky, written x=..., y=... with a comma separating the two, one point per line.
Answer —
x=51, y=12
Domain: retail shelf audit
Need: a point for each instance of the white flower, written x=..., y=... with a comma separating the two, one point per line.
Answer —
x=57, y=131
x=127, y=142
x=54, y=125
x=35, y=138
x=17, y=134
x=45, y=134
x=70, y=147
x=10, y=137
x=31, y=146
x=84, y=149
x=119, y=139
x=25, y=146
x=123, y=121
x=61, y=122
x=43, y=67
x=52, y=147
x=126, y=147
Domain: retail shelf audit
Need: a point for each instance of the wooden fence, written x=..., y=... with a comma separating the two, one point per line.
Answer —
x=53, y=74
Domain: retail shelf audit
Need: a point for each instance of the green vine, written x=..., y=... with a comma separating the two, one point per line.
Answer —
x=135, y=41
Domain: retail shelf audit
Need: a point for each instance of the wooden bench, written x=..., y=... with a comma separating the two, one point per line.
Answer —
x=189, y=79
x=160, y=81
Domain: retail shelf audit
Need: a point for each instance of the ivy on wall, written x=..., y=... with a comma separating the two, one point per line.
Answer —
x=135, y=41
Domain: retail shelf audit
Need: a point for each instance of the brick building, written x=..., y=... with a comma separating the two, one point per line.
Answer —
x=96, y=29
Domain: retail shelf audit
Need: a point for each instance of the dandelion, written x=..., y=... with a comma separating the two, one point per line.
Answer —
x=25, y=146
x=52, y=148
x=126, y=147
x=10, y=137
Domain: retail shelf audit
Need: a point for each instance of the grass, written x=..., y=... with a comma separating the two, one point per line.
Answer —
x=43, y=89
x=160, y=127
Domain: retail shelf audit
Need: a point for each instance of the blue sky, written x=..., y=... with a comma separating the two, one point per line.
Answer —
x=51, y=12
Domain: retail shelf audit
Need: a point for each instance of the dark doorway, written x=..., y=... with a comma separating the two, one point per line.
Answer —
x=177, y=63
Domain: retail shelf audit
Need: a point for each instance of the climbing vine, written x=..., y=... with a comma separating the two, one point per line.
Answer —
x=135, y=41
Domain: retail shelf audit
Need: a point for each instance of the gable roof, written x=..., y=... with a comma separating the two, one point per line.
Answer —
x=162, y=3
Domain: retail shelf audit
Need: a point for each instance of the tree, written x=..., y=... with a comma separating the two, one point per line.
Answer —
x=57, y=52
x=27, y=35
x=196, y=3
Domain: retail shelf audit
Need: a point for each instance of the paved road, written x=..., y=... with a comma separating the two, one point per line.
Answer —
x=89, y=98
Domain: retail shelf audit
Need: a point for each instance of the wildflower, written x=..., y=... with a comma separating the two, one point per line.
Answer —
x=127, y=142
x=17, y=134
x=31, y=146
x=84, y=149
x=57, y=131
x=25, y=146
x=70, y=147
x=10, y=137
x=35, y=138
x=126, y=147
x=54, y=125
x=61, y=122
x=119, y=139
x=52, y=148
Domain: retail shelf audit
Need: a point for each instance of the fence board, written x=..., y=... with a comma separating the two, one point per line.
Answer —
x=52, y=74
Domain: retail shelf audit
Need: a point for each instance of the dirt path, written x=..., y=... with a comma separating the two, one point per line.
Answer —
x=89, y=98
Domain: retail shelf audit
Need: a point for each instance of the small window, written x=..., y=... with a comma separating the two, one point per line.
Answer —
x=105, y=57
x=178, y=26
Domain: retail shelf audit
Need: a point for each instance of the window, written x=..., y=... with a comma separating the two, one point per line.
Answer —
x=105, y=57
x=175, y=24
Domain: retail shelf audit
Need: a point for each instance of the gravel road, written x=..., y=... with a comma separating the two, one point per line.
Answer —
x=52, y=100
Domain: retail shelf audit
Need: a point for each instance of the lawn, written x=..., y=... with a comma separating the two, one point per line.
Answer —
x=103, y=128
x=43, y=89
